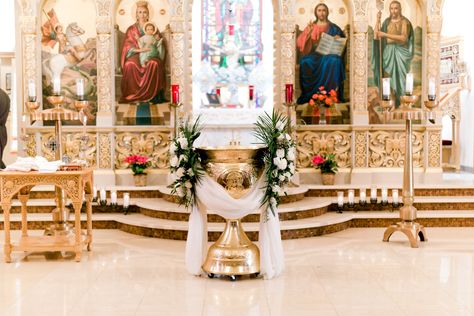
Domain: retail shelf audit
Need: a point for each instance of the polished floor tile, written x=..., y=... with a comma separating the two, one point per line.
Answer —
x=347, y=273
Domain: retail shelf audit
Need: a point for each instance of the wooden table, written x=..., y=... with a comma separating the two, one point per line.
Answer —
x=73, y=184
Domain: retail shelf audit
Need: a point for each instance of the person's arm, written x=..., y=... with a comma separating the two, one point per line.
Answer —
x=303, y=42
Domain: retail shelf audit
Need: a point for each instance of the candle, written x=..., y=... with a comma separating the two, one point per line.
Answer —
x=231, y=29
x=31, y=90
x=350, y=196
x=386, y=89
x=340, y=198
x=395, y=196
x=218, y=91
x=94, y=193
x=56, y=86
x=409, y=84
x=175, y=93
x=80, y=88
x=126, y=200
x=373, y=193
x=384, y=195
x=289, y=93
x=103, y=196
x=431, y=89
x=250, y=92
x=113, y=197
x=362, y=197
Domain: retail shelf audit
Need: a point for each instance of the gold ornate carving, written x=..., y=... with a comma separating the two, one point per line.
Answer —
x=105, y=161
x=104, y=72
x=152, y=144
x=311, y=143
x=103, y=25
x=434, y=149
x=73, y=147
x=30, y=145
x=28, y=25
x=103, y=7
x=360, y=7
x=360, y=150
x=26, y=8
x=359, y=77
x=387, y=149
x=451, y=107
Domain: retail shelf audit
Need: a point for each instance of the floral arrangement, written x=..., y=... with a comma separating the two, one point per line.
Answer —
x=138, y=163
x=323, y=98
x=326, y=163
x=185, y=162
x=280, y=157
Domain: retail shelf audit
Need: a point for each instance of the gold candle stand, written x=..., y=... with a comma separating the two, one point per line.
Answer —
x=57, y=114
x=175, y=107
x=387, y=106
x=408, y=226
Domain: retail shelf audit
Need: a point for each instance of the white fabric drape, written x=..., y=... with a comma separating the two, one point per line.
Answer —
x=213, y=197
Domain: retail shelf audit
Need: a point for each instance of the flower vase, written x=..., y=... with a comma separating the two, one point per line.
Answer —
x=140, y=179
x=328, y=178
x=323, y=115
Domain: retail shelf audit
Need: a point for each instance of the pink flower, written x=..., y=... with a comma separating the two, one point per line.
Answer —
x=317, y=160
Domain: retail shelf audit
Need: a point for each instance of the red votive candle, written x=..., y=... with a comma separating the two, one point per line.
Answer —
x=231, y=29
x=289, y=93
x=218, y=91
x=175, y=93
x=250, y=92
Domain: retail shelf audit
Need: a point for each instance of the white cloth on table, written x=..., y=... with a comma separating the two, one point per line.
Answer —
x=213, y=197
x=38, y=163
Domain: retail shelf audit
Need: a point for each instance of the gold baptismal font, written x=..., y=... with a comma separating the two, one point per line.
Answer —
x=237, y=169
x=408, y=226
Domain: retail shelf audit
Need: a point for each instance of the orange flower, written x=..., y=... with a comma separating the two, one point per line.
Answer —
x=315, y=96
x=328, y=102
x=311, y=102
x=321, y=88
x=333, y=93
x=321, y=97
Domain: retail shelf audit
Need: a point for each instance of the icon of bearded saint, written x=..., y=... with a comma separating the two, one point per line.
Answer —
x=48, y=29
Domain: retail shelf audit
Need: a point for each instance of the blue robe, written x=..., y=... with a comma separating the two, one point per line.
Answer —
x=322, y=70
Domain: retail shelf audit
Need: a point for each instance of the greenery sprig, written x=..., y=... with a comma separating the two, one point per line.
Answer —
x=185, y=163
x=280, y=157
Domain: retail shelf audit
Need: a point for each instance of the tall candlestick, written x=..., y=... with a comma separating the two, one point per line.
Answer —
x=56, y=86
x=386, y=89
x=80, y=88
x=289, y=93
x=431, y=89
x=31, y=90
x=175, y=93
x=409, y=84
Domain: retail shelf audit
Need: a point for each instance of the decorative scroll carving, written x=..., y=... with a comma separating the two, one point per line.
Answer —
x=387, y=149
x=104, y=72
x=433, y=40
x=434, y=149
x=103, y=7
x=25, y=7
x=29, y=58
x=105, y=161
x=73, y=146
x=360, y=7
x=451, y=107
x=30, y=145
x=335, y=142
x=103, y=25
x=435, y=8
x=28, y=25
x=176, y=7
x=360, y=150
x=152, y=144
x=359, y=77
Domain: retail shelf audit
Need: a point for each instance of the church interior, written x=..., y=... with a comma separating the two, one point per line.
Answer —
x=236, y=157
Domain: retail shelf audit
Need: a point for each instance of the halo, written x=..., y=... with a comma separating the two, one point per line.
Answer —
x=151, y=12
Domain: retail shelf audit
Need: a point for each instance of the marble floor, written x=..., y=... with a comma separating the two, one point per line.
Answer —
x=347, y=273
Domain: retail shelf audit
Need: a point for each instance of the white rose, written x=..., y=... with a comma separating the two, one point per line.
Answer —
x=290, y=155
x=276, y=161
x=283, y=164
x=173, y=147
x=183, y=142
x=280, y=153
x=188, y=184
x=180, y=172
x=287, y=175
x=174, y=161
x=292, y=168
x=280, y=138
x=191, y=173
x=276, y=189
x=273, y=201
x=280, y=126
x=288, y=137
x=281, y=177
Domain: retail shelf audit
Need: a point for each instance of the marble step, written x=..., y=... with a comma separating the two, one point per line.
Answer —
x=327, y=223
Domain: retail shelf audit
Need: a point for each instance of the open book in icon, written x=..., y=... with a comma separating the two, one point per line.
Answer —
x=329, y=45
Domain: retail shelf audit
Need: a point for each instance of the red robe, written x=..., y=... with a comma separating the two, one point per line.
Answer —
x=139, y=83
